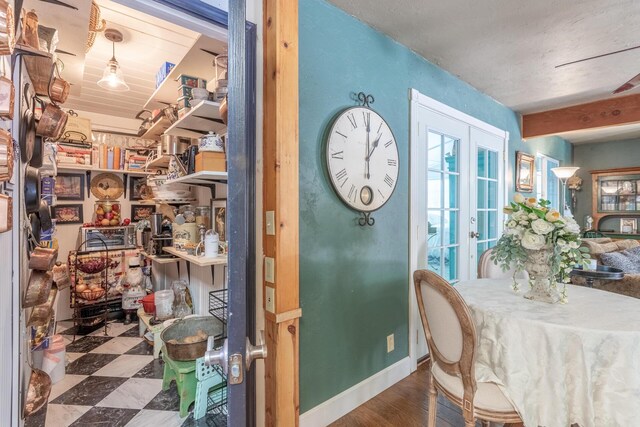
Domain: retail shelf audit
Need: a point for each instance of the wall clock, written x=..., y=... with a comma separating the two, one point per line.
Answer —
x=107, y=186
x=362, y=159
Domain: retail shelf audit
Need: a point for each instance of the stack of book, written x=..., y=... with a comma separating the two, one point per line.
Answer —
x=74, y=154
x=135, y=160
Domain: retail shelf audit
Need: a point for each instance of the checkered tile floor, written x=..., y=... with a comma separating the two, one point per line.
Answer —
x=112, y=381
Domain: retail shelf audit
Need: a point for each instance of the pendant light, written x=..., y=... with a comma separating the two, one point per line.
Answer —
x=112, y=77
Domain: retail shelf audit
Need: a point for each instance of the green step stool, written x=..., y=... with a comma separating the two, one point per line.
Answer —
x=184, y=374
x=208, y=379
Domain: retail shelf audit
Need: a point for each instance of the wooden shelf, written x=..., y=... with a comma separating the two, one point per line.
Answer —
x=157, y=129
x=197, y=260
x=196, y=63
x=202, y=118
x=160, y=162
x=205, y=178
x=159, y=260
x=88, y=168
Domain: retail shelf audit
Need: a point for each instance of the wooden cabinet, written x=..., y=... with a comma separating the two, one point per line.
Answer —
x=616, y=193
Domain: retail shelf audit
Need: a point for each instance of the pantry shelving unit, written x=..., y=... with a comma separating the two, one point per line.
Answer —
x=202, y=118
x=197, y=260
x=87, y=168
x=203, y=178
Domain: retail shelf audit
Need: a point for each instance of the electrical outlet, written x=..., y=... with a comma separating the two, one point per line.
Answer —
x=269, y=270
x=270, y=302
x=390, y=345
x=271, y=223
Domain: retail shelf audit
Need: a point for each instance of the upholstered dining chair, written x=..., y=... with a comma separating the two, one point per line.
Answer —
x=488, y=270
x=451, y=338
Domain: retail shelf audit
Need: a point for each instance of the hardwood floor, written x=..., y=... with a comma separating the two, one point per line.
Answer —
x=404, y=404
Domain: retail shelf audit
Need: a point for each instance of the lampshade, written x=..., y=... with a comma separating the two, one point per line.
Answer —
x=112, y=78
x=564, y=172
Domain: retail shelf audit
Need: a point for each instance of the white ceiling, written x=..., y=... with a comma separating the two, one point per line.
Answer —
x=508, y=49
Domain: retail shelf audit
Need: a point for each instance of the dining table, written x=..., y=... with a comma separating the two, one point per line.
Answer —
x=559, y=364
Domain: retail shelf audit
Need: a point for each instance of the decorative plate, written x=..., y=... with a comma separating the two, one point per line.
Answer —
x=107, y=186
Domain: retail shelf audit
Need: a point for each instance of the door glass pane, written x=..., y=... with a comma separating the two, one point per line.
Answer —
x=482, y=225
x=434, y=190
x=482, y=164
x=434, y=260
x=451, y=263
x=492, y=195
x=492, y=225
x=434, y=237
x=482, y=194
x=493, y=165
x=450, y=229
x=434, y=154
x=451, y=191
x=450, y=154
x=491, y=243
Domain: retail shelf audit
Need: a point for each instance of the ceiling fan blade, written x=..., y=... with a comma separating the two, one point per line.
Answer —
x=635, y=81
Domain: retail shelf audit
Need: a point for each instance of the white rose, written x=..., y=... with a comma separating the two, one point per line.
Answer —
x=572, y=227
x=574, y=245
x=533, y=216
x=532, y=241
x=540, y=226
x=523, y=222
x=517, y=232
x=518, y=198
x=561, y=242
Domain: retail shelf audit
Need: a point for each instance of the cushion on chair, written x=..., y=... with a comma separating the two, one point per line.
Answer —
x=627, y=244
x=627, y=261
x=488, y=395
x=443, y=323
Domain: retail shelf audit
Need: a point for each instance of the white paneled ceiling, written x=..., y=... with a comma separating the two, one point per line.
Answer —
x=509, y=49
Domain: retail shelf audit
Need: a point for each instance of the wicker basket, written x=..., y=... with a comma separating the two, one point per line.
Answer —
x=91, y=295
x=96, y=25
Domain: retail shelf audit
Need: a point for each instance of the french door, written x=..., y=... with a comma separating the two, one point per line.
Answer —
x=457, y=194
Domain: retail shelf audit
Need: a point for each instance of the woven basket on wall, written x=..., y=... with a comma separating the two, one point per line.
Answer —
x=96, y=25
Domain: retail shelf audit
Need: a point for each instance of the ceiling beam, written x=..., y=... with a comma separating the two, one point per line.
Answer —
x=609, y=112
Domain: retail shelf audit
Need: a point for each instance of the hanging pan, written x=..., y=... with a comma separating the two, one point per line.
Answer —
x=27, y=128
x=52, y=121
x=36, y=156
x=34, y=238
x=44, y=214
x=32, y=189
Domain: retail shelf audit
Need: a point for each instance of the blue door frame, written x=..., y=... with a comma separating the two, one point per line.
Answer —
x=241, y=189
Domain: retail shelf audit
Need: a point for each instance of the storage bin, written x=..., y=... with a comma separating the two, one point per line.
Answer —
x=211, y=161
x=54, y=358
x=184, y=90
x=184, y=102
x=186, y=80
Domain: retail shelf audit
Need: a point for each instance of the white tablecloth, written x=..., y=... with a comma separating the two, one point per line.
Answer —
x=560, y=364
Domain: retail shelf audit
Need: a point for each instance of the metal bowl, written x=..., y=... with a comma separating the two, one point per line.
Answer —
x=173, y=335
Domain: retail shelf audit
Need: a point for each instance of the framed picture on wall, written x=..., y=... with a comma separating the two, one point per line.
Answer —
x=219, y=213
x=138, y=189
x=139, y=212
x=525, y=172
x=69, y=186
x=67, y=214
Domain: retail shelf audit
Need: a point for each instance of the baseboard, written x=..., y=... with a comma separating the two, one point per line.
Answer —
x=345, y=402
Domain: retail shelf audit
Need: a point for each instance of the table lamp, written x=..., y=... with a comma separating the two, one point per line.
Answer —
x=563, y=174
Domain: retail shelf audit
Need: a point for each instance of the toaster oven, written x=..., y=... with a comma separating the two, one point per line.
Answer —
x=114, y=237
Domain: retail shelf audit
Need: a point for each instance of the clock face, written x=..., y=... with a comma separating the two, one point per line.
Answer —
x=362, y=159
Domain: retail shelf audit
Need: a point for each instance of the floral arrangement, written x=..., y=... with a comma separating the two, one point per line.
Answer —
x=533, y=225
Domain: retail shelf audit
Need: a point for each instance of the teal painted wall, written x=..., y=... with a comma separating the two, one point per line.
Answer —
x=354, y=280
x=602, y=155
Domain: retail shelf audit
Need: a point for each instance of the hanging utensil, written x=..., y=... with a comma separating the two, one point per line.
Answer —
x=53, y=120
x=7, y=31
x=29, y=34
x=36, y=156
x=37, y=392
x=58, y=87
x=32, y=189
x=27, y=132
x=146, y=121
x=44, y=213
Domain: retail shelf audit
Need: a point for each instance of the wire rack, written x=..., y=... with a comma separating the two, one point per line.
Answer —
x=217, y=405
x=218, y=308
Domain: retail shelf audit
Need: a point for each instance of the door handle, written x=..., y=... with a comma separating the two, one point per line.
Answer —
x=474, y=234
x=222, y=358
x=256, y=351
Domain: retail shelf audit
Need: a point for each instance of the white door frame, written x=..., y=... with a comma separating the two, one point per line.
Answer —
x=416, y=222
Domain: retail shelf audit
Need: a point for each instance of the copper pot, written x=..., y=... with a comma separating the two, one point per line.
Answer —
x=59, y=90
x=30, y=30
x=53, y=120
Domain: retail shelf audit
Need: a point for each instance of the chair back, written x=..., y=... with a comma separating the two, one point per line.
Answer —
x=487, y=269
x=448, y=327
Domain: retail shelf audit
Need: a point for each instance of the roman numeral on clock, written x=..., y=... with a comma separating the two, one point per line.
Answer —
x=367, y=119
x=340, y=175
x=388, y=180
x=352, y=119
x=381, y=195
x=388, y=143
x=392, y=162
x=338, y=155
x=352, y=193
x=341, y=134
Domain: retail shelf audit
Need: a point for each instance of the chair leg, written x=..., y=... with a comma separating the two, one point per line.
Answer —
x=486, y=423
x=433, y=405
x=469, y=423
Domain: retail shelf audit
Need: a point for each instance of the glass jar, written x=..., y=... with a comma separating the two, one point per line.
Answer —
x=180, y=306
x=203, y=216
x=107, y=213
x=188, y=212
